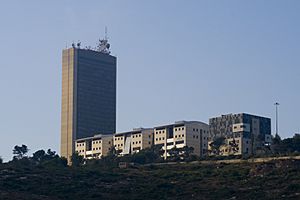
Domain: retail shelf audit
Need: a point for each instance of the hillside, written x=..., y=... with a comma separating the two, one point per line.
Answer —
x=272, y=180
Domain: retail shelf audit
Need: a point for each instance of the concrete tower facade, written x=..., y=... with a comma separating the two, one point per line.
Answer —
x=88, y=96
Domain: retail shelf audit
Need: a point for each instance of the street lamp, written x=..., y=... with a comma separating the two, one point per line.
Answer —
x=276, y=105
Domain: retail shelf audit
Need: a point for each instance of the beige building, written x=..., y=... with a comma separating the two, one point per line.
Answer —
x=133, y=141
x=183, y=134
x=94, y=147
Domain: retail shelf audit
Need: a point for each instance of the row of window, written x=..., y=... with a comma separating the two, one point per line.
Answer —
x=195, y=136
x=119, y=145
x=118, y=138
x=97, y=142
x=160, y=139
x=179, y=129
x=80, y=144
x=159, y=132
x=97, y=148
x=179, y=136
x=139, y=135
x=137, y=142
x=197, y=130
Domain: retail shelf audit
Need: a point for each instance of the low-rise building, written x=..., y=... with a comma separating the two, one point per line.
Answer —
x=243, y=134
x=133, y=141
x=94, y=147
x=183, y=134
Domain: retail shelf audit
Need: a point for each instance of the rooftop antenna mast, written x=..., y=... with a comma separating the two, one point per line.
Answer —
x=103, y=45
x=106, y=38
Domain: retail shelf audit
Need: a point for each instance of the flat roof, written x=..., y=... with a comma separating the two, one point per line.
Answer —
x=138, y=130
x=179, y=123
x=97, y=136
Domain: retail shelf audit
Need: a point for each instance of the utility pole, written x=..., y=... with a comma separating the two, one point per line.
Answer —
x=276, y=105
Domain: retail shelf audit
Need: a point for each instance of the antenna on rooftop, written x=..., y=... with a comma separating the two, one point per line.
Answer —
x=106, y=38
x=103, y=45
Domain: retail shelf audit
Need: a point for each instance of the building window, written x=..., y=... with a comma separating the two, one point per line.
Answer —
x=182, y=128
x=175, y=129
x=149, y=142
x=182, y=135
x=108, y=142
x=193, y=136
x=197, y=130
x=193, y=129
x=163, y=138
x=156, y=139
x=197, y=136
x=133, y=136
x=140, y=142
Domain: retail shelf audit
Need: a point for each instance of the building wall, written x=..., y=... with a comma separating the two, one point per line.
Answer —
x=160, y=136
x=191, y=134
x=141, y=140
x=94, y=147
x=119, y=142
x=67, y=106
x=80, y=148
x=96, y=93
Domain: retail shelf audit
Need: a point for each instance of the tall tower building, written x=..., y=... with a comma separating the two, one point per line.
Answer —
x=88, y=94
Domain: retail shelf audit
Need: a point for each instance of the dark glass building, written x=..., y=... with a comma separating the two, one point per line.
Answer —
x=237, y=125
x=88, y=96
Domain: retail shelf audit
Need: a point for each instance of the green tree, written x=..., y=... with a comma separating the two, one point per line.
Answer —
x=216, y=144
x=77, y=159
x=148, y=155
x=51, y=154
x=233, y=146
x=39, y=155
x=187, y=153
x=174, y=154
x=20, y=152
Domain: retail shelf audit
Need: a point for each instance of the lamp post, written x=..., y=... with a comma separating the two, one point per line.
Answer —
x=276, y=105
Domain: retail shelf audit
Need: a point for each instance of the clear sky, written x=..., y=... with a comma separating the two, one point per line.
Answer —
x=177, y=60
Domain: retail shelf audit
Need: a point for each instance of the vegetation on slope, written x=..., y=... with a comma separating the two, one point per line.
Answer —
x=280, y=179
